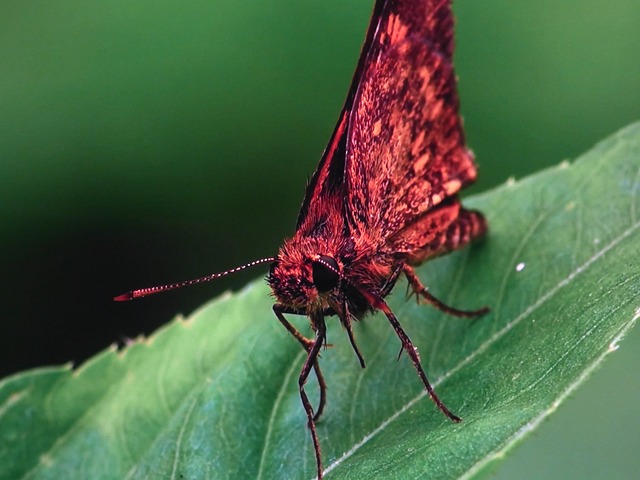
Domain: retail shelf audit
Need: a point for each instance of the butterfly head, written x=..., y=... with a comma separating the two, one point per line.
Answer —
x=304, y=281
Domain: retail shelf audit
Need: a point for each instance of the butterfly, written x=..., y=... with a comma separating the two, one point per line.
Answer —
x=384, y=196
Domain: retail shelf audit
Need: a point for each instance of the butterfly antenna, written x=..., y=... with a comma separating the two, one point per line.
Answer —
x=143, y=292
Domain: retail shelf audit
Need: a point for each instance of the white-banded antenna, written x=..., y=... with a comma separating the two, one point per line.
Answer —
x=143, y=292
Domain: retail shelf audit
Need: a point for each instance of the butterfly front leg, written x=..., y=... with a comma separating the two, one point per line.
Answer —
x=313, y=349
x=345, y=318
x=308, y=345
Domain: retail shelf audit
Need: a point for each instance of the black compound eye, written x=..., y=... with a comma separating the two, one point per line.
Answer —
x=325, y=273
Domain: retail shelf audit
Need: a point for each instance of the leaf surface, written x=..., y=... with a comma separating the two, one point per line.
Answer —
x=215, y=395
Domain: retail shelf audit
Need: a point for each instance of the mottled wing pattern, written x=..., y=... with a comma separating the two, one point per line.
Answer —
x=405, y=148
x=327, y=181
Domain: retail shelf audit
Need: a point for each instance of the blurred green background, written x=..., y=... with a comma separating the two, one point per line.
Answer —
x=146, y=142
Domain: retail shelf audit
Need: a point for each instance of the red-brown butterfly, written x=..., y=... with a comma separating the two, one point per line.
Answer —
x=384, y=196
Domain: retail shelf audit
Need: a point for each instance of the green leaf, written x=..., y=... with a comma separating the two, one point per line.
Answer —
x=215, y=395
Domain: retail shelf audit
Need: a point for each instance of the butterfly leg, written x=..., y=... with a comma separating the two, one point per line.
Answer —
x=308, y=345
x=312, y=362
x=421, y=291
x=345, y=319
x=379, y=304
x=391, y=282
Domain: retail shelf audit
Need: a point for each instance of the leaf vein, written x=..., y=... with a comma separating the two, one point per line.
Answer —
x=484, y=346
x=512, y=262
x=274, y=410
x=533, y=424
x=183, y=428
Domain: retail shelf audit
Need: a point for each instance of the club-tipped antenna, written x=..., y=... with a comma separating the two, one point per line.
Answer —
x=143, y=292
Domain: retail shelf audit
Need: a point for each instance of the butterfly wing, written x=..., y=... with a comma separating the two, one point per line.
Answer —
x=405, y=150
x=327, y=182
